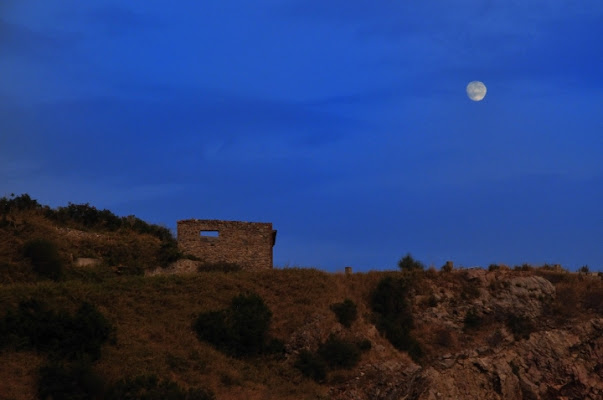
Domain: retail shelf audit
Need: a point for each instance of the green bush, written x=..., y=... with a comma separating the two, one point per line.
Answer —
x=44, y=257
x=393, y=314
x=19, y=203
x=407, y=263
x=168, y=253
x=240, y=330
x=447, y=267
x=151, y=388
x=311, y=365
x=64, y=336
x=472, y=319
x=364, y=345
x=69, y=382
x=520, y=326
x=346, y=312
x=493, y=267
x=339, y=353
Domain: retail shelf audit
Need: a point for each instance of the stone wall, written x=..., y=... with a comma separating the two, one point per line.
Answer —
x=248, y=244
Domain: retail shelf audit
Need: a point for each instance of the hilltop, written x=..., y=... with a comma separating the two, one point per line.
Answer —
x=298, y=333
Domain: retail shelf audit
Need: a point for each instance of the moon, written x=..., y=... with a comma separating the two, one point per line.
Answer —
x=476, y=90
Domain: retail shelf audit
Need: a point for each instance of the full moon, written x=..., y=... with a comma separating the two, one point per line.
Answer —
x=476, y=90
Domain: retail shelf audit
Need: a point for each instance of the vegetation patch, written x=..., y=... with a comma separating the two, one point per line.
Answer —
x=45, y=259
x=393, y=314
x=63, y=336
x=311, y=365
x=334, y=354
x=346, y=312
x=408, y=263
x=149, y=387
x=521, y=326
x=240, y=330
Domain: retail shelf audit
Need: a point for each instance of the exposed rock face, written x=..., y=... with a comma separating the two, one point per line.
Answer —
x=549, y=365
x=497, y=361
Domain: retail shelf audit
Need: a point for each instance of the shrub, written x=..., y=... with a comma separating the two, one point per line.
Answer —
x=521, y=327
x=151, y=388
x=447, y=267
x=393, y=314
x=63, y=336
x=346, y=312
x=584, y=269
x=472, y=319
x=69, y=382
x=44, y=257
x=389, y=299
x=311, y=365
x=240, y=330
x=493, y=267
x=364, y=345
x=407, y=263
x=470, y=291
x=523, y=267
x=19, y=203
x=339, y=353
x=168, y=253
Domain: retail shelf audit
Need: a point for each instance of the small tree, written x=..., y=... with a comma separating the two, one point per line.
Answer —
x=407, y=263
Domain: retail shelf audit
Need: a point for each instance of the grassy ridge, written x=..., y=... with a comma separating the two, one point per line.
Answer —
x=153, y=317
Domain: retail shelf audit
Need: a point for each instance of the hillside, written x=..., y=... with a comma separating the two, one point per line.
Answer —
x=524, y=333
x=125, y=245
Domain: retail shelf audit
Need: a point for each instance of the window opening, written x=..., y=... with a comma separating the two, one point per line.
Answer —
x=213, y=234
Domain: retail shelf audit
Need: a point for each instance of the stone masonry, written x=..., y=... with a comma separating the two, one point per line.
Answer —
x=248, y=244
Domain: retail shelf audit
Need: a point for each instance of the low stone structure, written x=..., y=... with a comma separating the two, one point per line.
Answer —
x=248, y=244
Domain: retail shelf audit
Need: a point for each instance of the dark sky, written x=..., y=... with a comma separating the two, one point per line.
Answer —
x=344, y=123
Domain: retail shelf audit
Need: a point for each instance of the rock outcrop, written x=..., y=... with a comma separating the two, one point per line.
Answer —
x=518, y=352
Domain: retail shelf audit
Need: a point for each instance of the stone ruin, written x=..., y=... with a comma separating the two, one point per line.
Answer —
x=248, y=244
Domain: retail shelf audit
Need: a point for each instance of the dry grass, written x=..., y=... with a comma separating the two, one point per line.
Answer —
x=18, y=375
x=153, y=317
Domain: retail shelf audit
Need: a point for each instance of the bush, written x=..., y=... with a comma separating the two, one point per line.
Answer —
x=393, y=314
x=151, y=388
x=168, y=253
x=364, y=345
x=584, y=269
x=69, y=382
x=346, y=312
x=493, y=267
x=407, y=263
x=311, y=365
x=240, y=330
x=447, y=267
x=339, y=353
x=19, y=203
x=472, y=319
x=523, y=267
x=521, y=327
x=63, y=336
x=44, y=257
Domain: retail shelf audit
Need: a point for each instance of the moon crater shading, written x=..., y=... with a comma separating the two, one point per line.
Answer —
x=476, y=90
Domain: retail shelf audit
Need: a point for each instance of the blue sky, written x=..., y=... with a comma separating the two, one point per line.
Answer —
x=344, y=123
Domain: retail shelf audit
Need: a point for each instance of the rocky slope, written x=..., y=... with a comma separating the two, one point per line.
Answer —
x=547, y=357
